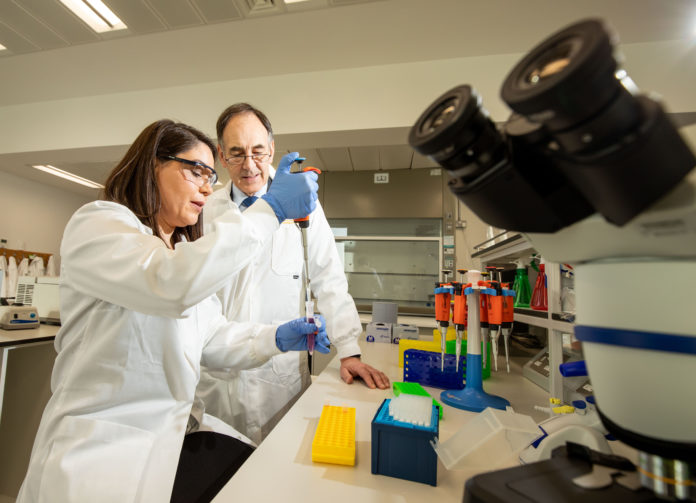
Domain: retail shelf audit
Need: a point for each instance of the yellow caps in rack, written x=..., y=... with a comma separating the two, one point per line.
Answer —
x=334, y=439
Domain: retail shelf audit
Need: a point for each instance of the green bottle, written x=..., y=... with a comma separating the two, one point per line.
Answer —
x=521, y=286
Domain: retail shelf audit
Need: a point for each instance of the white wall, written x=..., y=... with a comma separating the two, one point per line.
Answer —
x=33, y=215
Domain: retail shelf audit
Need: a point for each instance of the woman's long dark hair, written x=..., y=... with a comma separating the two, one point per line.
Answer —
x=133, y=183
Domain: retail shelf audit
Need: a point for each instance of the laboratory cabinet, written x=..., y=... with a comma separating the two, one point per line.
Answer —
x=26, y=364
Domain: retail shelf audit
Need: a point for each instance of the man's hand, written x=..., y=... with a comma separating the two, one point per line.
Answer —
x=352, y=367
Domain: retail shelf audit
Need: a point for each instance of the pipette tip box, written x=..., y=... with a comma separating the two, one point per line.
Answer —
x=413, y=388
x=334, y=438
x=403, y=450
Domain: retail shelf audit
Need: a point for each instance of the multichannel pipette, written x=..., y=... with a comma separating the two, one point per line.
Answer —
x=303, y=224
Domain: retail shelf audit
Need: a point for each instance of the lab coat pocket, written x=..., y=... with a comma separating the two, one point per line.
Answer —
x=94, y=460
x=286, y=367
x=287, y=256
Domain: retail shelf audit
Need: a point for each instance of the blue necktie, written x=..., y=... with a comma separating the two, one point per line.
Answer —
x=247, y=202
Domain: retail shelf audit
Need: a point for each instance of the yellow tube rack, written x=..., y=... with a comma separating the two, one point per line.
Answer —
x=433, y=345
x=334, y=439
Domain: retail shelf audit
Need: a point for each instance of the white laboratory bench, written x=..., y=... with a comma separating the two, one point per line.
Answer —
x=26, y=363
x=281, y=468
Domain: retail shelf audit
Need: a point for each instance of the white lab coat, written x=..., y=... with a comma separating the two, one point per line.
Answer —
x=12, y=277
x=3, y=276
x=36, y=267
x=138, y=320
x=51, y=267
x=253, y=401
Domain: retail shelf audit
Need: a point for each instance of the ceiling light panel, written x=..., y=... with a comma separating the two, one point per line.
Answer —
x=138, y=16
x=60, y=20
x=47, y=168
x=97, y=15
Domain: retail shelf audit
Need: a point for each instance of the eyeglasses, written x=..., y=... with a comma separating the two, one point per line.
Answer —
x=199, y=173
x=238, y=160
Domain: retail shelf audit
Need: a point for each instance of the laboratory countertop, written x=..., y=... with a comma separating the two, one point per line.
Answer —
x=281, y=468
x=42, y=333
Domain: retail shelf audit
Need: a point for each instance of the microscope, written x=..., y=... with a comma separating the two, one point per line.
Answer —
x=594, y=174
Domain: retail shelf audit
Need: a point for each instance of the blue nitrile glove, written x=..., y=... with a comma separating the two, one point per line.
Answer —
x=292, y=336
x=292, y=195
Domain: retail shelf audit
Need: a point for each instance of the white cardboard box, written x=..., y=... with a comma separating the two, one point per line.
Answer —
x=378, y=332
x=403, y=331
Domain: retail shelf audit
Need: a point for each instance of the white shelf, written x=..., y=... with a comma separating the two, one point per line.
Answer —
x=544, y=322
x=508, y=250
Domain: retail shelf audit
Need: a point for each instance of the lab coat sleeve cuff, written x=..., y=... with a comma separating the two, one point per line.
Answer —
x=349, y=348
x=264, y=344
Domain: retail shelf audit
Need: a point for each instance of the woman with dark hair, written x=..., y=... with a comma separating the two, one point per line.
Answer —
x=139, y=315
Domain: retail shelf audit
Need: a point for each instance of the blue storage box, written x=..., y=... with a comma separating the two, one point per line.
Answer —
x=403, y=450
x=423, y=367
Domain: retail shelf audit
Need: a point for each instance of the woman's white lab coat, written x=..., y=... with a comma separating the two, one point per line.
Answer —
x=137, y=320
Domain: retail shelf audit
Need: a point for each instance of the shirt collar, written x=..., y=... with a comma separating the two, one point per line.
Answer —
x=238, y=196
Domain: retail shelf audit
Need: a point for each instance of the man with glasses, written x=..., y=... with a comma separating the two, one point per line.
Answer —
x=253, y=401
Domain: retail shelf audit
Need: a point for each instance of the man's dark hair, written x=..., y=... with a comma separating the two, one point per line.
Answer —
x=239, y=109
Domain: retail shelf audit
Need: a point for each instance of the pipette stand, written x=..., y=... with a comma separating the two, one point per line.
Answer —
x=472, y=397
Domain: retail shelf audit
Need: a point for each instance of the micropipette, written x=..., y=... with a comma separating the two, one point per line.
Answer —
x=443, y=294
x=303, y=224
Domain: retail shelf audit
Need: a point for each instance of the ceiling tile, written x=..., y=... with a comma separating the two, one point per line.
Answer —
x=336, y=159
x=60, y=19
x=395, y=157
x=14, y=42
x=217, y=11
x=364, y=158
x=136, y=15
x=313, y=158
x=31, y=28
x=420, y=161
x=177, y=13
